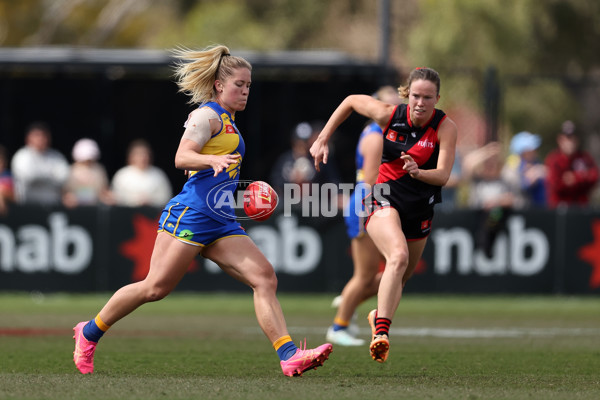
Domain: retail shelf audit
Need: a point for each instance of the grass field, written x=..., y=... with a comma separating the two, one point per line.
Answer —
x=208, y=346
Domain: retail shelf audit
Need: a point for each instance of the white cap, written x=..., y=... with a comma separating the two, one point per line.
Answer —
x=86, y=150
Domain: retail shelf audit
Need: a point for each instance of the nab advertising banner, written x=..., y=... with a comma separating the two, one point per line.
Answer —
x=104, y=248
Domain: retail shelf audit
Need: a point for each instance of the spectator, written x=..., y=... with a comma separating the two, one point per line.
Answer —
x=39, y=171
x=140, y=183
x=87, y=184
x=488, y=192
x=7, y=193
x=572, y=172
x=525, y=171
x=296, y=166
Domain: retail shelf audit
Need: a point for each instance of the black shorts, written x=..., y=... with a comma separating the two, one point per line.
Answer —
x=416, y=223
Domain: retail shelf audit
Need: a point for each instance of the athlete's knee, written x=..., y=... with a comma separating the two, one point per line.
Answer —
x=365, y=280
x=156, y=292
x=265, y=280
x=397, y=261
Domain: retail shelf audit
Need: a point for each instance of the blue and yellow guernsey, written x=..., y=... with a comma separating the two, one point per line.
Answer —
x=209, y=194
x=359, y=159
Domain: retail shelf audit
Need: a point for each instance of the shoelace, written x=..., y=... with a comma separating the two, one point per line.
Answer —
x=303, y=349
x=86, y=352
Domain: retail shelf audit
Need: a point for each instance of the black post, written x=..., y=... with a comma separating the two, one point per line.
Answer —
x=384, y=32
x=491, y=100
x=384, y=41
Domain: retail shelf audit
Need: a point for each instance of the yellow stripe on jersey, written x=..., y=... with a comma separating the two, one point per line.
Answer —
x=224, y=142
x=360, y=175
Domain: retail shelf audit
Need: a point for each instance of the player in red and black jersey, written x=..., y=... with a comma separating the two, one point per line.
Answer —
x=418, y=153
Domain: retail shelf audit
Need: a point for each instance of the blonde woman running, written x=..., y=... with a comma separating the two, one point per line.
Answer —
x=212, y=149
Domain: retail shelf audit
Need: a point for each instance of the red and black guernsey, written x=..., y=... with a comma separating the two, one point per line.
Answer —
x=407, y=194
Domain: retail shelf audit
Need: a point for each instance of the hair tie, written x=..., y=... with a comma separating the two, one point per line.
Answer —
x=220, y=62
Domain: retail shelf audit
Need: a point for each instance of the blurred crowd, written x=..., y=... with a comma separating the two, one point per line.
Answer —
x=496, y=178
x=520, y=178
x=496, y=181
x=38, y=174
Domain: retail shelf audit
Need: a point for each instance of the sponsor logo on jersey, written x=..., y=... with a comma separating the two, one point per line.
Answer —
x=229, y=129
x=394, y=136
x=428, y=144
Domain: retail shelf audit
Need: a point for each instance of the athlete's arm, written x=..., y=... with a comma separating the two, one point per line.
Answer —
x=447, y=134
x=371, y=148
x=364, y=105
x=202, y=124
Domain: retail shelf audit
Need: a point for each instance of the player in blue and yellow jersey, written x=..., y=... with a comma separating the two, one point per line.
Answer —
x=197, y=221
x=419, y=143
x=365, y=256
x=213, y=218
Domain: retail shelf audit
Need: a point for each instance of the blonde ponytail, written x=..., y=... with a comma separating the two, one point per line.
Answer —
x=197, y=70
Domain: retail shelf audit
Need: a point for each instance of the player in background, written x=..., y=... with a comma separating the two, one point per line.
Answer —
x=365, y=256
x=212, y=149
x=418, y=153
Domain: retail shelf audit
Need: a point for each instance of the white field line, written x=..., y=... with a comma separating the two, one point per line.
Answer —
x=458, y=333
x=494, y=332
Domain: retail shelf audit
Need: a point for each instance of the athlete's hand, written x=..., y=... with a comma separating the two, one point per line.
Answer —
x=320, y=151
x=410, y=165
x=220, y=163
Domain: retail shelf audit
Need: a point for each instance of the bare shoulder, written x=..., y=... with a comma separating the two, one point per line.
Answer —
x=201, y=125
x=449, y=123
x=203, y=113
x=448, y=128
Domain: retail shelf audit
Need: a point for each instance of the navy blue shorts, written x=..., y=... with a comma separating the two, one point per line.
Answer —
x=355, y=212
x=195, y=228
